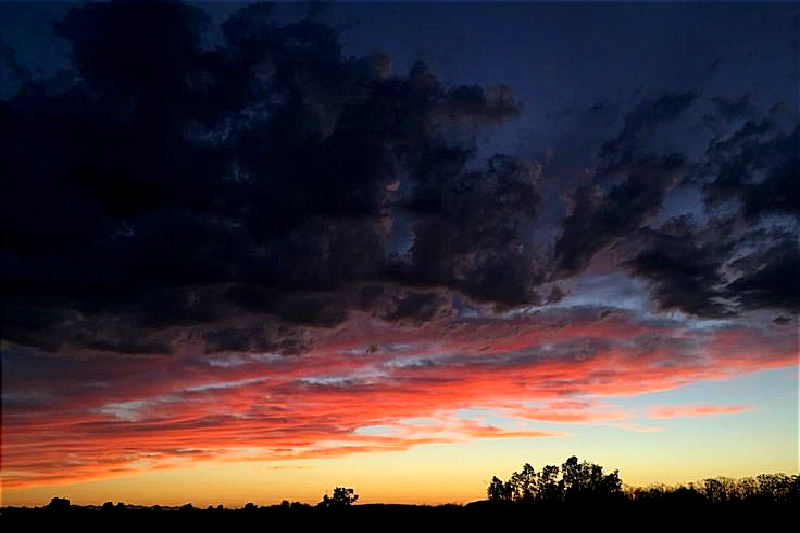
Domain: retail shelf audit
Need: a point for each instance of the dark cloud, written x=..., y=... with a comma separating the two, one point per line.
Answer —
x=640, y=123
x=233, y=188
x=684, y=267
x=185, y=185
x=769, y=278
x=758, y=166
x=493, y=105
x=17, y=72
x=418, y=308
x=627, y=187
x=255, y=336
x=469, y=233
x=710, y=269
x=598, y=215
x=720, y=269
x=733, y=108
x=778, y=193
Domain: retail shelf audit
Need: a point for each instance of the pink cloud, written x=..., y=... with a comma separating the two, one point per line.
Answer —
x=572, y=412
x=692, y=411
x=638, y=428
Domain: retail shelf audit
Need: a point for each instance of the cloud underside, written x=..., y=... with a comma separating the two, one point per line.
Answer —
x=404, y=387
x=268, y=250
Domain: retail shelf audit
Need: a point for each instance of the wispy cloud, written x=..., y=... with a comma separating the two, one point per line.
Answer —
x=556, y=366
x=692, y=411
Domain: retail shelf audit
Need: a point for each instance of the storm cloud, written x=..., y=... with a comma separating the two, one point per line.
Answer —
x=265, y=174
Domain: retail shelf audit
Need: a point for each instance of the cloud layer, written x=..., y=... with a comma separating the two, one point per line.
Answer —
x=361, y=390
x=252, y=246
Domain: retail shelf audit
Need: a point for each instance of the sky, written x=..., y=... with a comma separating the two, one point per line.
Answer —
x=252, y=252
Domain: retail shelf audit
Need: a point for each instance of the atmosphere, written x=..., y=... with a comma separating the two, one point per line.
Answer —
x=254, y=252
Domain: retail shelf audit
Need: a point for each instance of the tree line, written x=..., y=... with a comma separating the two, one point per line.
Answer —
x=764, y=488
x=575, y=480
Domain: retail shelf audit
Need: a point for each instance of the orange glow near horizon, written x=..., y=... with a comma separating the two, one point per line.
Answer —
x=348, y=400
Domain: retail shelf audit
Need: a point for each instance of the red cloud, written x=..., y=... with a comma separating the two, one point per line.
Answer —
x=72, y=419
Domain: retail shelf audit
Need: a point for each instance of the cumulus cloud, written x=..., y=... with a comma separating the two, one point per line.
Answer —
x=263, y=176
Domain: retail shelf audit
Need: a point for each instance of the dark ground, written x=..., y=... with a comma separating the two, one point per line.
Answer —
x=477, y=516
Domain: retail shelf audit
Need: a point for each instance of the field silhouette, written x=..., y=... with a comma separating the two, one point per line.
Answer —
x=576, y=496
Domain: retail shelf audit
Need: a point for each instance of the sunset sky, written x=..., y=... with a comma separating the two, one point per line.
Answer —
x=252, y=252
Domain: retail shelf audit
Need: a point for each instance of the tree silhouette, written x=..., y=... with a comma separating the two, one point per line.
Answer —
x=549, y=488
x=58, y=504
x=342, y=497
x=578, y=481
x=521, y=486
x=497, y=490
